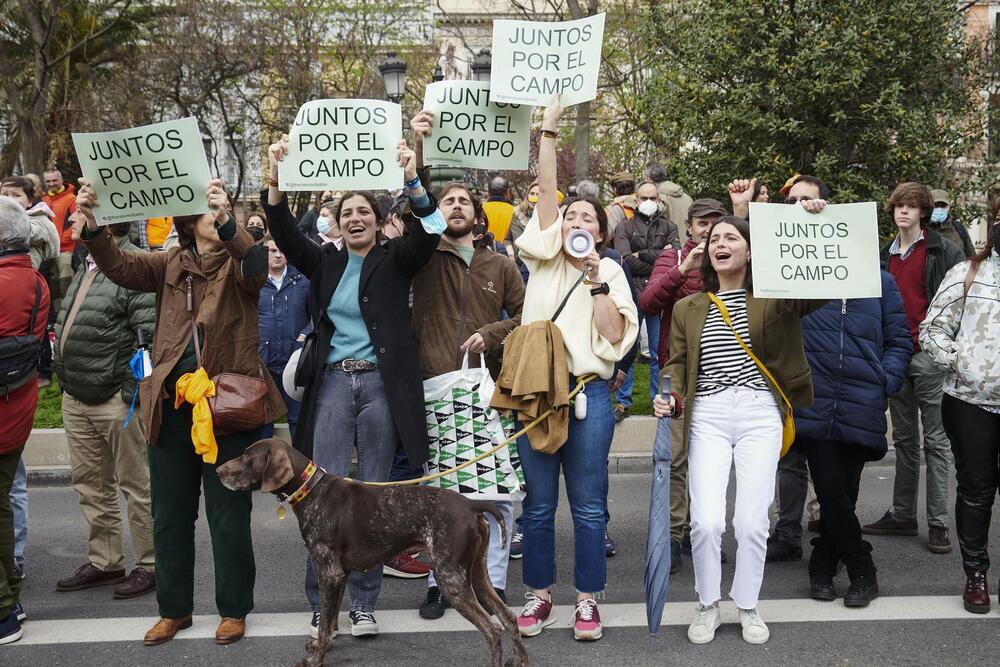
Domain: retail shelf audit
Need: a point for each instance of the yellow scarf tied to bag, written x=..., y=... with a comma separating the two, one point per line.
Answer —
x=196, y=388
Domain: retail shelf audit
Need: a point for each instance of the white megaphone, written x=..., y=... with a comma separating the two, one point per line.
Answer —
x=288, y=377
x=579, y=243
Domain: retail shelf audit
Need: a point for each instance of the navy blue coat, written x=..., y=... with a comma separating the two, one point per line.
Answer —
x=284, y=316
x=858, y=351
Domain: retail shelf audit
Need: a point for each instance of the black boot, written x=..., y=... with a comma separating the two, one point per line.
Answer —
x=862, y=591
x=675, y=556
x=821, y=588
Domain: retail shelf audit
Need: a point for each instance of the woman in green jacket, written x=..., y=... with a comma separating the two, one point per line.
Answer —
x=718, y=381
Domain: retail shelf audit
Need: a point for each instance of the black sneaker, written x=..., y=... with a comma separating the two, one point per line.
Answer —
x=363, y=624
x=779, y=550
x=861, y=592
x=517, y=545
x=890, y=525
x=314, y=626
x=434, y=604
x=10, y=628
x=821, y=588
x=937, y=540
x=18, y=568
x=19, y=611
x=621, y=413
x=675, y=556
x=609, y=545
x=501, y=594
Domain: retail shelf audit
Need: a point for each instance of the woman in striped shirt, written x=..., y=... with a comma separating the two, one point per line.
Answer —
x=736, y=415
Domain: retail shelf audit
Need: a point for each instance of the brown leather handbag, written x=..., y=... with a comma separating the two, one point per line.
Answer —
x=240, y=401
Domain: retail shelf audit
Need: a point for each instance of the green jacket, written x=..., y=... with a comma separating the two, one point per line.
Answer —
x=775, y=336
x=93, y=365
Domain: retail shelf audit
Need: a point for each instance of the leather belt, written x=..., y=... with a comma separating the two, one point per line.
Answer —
x=353, y=366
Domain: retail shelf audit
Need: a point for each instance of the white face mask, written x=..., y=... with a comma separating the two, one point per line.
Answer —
x=323, y=224
x=648, y=208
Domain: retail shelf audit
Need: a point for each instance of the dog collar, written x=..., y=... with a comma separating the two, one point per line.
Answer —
x=309, y=477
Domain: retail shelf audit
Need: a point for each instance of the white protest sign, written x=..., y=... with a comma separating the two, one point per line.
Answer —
x=343, y=145
x=828, y=255
x=533, y=60
x=470, y=130
x=145, y=172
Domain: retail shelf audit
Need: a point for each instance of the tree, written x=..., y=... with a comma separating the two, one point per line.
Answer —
x=862, y=93
x=45, y=45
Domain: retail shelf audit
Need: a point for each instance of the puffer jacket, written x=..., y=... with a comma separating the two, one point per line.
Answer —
x=284, y=316
x=93, y=361
x=858, y=351
x=646, y=238
x=962, y=333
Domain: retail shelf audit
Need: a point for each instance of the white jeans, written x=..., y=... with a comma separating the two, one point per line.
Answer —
x=498, y=553
x=745, y=425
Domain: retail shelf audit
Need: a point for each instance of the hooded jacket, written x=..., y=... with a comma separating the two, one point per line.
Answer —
x=44, y=243
x=858, y=351
x=677, y=203
x=92, y=362
x=666, y=286
x=63, y=205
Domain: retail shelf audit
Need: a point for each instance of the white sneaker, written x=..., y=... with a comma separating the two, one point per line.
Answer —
x=363, y=624
x=754, y=629
x=314, y=626
x=703, y=627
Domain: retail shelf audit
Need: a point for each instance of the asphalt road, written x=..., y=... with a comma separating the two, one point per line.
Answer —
x=918, y=620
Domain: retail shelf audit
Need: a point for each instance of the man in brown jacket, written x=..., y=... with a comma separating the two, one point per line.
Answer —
x=465, y=300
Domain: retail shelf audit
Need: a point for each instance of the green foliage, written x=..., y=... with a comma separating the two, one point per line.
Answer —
x=862, y=93
x=49, y=411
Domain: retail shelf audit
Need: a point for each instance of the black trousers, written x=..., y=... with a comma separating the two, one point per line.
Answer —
x=836, y=471
x=975, y=442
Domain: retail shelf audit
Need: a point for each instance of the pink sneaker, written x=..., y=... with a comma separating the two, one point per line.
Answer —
x=537, y=614
x=587, y=627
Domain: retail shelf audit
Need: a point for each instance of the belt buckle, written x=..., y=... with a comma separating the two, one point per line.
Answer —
x=352, y=365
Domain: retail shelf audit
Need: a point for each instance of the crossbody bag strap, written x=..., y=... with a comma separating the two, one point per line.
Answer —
x=34, y=309
x=194, y=325
x=970, y=277
x=568, y=294
x=760, y=365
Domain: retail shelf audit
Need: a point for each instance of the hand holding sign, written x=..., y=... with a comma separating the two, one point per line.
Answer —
x=422, y=123
x=218, y=200
x=407, y=160
x=86, y=202
x=553, y=112
x=276, y=152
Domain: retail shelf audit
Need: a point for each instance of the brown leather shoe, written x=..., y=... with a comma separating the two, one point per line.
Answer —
x=165, y=629
x=88, y=576
x=230, y=630
x=976, y=596
x=139, y=582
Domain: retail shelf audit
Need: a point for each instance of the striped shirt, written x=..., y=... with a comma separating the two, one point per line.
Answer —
x=723, y=363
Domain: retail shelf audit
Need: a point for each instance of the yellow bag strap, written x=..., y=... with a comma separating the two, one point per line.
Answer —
x=763, y=369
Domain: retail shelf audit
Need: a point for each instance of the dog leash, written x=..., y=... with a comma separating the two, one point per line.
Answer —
x=538, y=420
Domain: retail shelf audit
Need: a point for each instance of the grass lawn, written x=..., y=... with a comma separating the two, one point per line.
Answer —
x=49, y=413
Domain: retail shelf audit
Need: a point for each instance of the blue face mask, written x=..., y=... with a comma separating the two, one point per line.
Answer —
x=323, y=225
x=939, y=215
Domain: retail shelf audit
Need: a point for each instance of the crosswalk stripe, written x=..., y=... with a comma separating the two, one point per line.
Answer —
x=901, y=608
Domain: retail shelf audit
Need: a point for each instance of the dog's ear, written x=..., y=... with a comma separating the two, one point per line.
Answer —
x=277, y=469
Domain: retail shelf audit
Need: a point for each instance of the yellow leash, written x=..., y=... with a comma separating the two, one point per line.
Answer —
x=542, y=417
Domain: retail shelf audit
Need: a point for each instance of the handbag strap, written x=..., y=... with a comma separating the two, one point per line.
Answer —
x=568, y=294
x=760, y=365
x=970, y=277
x=194, y=325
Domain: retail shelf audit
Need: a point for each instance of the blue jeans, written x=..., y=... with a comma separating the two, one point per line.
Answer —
x=19, y=506
x=352, y=412
x=624, y=393
x=583, y=459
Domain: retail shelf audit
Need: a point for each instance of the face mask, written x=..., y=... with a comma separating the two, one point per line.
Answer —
x=323, y=225
x=648, y=208
x=532, y=199
x=939, y=215
x=256, y=232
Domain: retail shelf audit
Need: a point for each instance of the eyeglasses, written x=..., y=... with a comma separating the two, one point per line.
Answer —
x=796, y=200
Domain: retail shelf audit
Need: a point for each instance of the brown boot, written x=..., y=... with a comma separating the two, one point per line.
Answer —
x=230, y=630
x=976, y=596
x=88, y=576
x=165, y=629
x=139, y=582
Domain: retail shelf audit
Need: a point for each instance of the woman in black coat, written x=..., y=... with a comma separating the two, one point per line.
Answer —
x=365, y=388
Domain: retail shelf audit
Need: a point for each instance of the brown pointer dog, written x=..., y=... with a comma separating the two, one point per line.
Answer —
x=349, y=526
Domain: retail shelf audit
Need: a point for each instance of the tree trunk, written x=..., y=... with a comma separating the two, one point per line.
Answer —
x=33, y=146
x=582, y=144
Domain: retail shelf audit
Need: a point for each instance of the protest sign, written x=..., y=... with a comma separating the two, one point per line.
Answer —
x=471, y=130
x=343, y=145
x=532, y=60
x=145, y=172
x=802, y=255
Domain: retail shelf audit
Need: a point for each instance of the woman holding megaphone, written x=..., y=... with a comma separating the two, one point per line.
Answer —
x=598, y=324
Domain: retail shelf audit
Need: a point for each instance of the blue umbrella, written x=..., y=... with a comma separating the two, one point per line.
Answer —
x=657, y=575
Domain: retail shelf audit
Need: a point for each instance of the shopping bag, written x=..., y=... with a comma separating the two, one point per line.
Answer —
x=461, y=425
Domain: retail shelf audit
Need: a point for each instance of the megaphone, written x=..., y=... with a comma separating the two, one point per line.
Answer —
x=288, y=377
x=579, y=243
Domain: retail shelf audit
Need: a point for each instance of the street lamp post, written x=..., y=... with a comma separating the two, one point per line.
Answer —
x=393, y=72
x=481, y=65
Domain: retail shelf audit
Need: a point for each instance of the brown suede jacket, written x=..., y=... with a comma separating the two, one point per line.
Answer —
x=225, y=303
x=452, y=301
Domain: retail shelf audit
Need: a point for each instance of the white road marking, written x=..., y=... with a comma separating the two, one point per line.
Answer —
x=91, y=630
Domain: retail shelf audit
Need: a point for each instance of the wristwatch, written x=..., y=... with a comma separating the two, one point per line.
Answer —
x=600, y=289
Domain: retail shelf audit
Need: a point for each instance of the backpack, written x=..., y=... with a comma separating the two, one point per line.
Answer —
x=20, y=355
